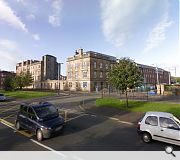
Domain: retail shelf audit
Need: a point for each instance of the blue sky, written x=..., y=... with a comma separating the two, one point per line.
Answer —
x=146, y=31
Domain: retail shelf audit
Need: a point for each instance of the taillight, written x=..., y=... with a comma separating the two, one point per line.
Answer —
x=138, y=126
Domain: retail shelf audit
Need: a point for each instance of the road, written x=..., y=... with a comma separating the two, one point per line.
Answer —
x=86, y=130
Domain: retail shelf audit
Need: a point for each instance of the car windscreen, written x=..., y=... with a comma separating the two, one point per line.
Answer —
x=44, y=112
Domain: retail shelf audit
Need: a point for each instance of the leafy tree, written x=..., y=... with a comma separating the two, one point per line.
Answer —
x=125, y=75
x=8, y=83
x=23, y=80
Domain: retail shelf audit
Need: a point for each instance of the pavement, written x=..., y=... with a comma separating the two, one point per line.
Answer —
x=87, y=129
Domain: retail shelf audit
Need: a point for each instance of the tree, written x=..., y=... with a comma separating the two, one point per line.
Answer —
x=8, y=83
x=125, y=75
x=23, y=80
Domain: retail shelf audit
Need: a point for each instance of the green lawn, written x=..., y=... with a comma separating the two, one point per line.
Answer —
x=140, y=106
x=26, y=94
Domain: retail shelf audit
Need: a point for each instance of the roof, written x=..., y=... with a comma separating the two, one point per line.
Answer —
x=37, y=104
x=163, y=114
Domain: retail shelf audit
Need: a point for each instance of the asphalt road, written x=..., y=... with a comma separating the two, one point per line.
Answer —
x=84, y=131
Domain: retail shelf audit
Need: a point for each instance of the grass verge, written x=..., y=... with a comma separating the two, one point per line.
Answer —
x=139, y=106
x=27, y=94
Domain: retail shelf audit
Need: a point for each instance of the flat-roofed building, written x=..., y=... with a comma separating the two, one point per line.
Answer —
x=46, y=69
x=88, y=70
x=154, y=75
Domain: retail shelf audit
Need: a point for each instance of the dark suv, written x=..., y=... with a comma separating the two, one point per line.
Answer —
x=41, y=119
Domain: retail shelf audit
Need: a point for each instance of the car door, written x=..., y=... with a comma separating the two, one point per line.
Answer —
x=170, y=131
x=31, y=121
x=151, y=125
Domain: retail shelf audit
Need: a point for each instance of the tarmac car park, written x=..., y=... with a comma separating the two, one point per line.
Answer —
x=84, y=130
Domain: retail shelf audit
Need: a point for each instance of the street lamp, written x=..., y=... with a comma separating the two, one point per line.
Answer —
x=157, y=74
x=59, y=73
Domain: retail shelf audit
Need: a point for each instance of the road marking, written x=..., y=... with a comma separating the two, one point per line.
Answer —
x=11, y=125
x=8, y=109
x=11, y=115
x=48, y=148
x=124, y=122
x=6, y=123
x=76, y=117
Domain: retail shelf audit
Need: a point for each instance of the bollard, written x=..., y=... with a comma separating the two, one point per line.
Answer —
x=65, y=116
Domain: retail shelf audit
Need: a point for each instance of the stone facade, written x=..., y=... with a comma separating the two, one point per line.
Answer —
x=87, y=70
x=41, y=71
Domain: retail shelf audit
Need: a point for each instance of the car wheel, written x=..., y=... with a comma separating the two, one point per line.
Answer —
x=146, y=137
x=18, y=127
x=39, y=135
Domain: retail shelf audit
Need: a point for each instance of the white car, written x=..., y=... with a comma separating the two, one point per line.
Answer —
x=2, y=97
x=159, y=126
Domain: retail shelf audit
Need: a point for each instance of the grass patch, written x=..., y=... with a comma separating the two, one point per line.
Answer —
x=139, y=106
x=27, y=94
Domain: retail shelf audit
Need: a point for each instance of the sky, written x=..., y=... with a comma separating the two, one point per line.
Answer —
x=145, y=31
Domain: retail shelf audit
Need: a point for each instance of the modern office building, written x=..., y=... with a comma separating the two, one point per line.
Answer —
x=88, y=70
x=3, y=76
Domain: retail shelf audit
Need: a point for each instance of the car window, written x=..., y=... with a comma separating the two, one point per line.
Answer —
x=167, y=123
x=31, y=113
x=151, y=120
x=1, y=94
x=23, y=109
x=45, y=111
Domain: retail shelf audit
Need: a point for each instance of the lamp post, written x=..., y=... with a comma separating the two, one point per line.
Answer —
x=59, y=73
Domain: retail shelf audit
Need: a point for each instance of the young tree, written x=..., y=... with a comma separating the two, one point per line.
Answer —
x=23, y=80
x=125, y=74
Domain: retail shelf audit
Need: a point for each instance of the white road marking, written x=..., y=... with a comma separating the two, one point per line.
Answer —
x=7, y=125
x=124, y=122
x=76, y=117
x=34, y=141
x=48, y=148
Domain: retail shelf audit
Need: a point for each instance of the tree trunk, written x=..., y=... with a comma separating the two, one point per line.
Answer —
x=126, y=99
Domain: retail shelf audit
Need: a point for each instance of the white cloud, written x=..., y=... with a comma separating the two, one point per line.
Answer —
x=7, y=44
x=10, y=54
x=7, y=15
x=36, y=37
x=126, y=21
x=157, y=35
x=31, y=17
x=55, y=17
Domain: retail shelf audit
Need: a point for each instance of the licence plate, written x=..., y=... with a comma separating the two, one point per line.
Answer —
x=58, y=128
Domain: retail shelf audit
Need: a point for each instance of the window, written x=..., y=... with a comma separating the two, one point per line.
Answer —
x=77, y=84
x=101, y=74
x=83, y=65
x=101, y=65
x=167, y=123
x=106, y=66
x=70, y=84
x=31, y=113
x=23, y=109
x=152, y=120
x=84, y=74
x=95, y=64
x=95, y=74
x=76, y=75
x=76, y=66
x=84, y=84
